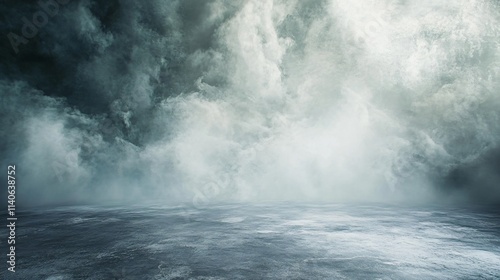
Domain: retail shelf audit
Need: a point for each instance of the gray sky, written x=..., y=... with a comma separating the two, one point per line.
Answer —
x=209, y=101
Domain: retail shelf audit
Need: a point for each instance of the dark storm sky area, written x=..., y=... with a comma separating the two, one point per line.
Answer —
x=175, y=101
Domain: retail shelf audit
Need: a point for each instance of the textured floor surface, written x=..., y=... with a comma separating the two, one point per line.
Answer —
x=258, y=242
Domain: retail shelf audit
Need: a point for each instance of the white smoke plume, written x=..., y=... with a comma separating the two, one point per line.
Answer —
x=220, y=101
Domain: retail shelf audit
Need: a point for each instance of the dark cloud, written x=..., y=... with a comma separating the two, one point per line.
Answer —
x=246, y=100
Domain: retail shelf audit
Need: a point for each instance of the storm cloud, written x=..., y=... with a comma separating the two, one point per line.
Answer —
x=189, y=101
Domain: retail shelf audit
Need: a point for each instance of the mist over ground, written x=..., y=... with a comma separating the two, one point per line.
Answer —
x=227, y=101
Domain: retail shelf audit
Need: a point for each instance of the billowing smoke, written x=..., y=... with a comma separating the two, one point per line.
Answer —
x=210, y=101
